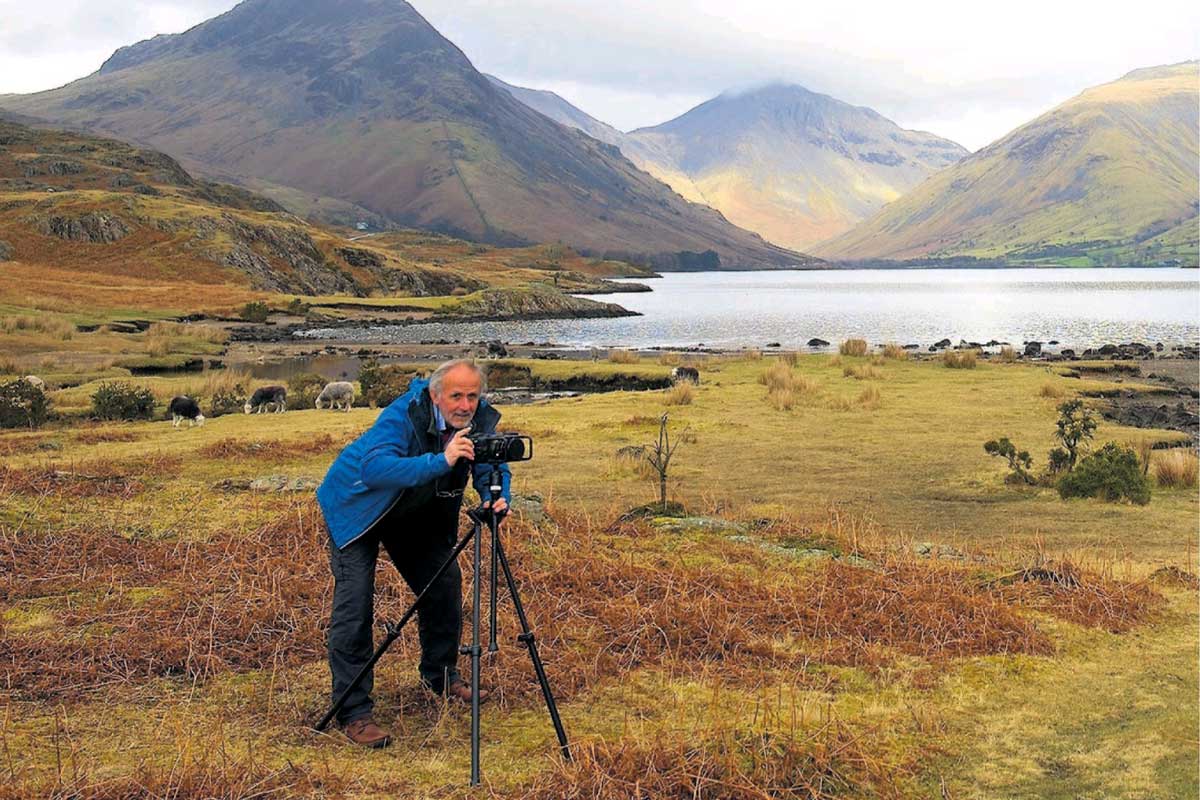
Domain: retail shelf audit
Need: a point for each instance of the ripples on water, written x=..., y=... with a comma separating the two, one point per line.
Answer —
x=1079, y=308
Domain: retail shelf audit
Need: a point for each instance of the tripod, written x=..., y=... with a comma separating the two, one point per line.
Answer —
x=478, y=518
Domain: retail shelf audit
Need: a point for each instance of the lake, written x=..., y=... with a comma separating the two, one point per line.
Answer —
x=1079, y=308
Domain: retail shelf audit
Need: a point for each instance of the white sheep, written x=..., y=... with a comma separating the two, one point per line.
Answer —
x=336, y=394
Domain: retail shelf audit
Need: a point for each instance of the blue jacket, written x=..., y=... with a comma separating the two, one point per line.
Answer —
x=395, y=463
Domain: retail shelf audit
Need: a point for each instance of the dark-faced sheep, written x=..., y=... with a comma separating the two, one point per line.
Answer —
x=335, y=395
x=690, y=374
x=273, y=396
x=183, y=407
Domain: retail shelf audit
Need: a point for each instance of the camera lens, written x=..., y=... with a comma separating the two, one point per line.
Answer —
x=515, y=450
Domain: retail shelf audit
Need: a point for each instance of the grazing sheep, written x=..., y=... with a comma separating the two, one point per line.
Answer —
x=335, y=394
x=183, y=407
x=275, y=396
x=680, y=374
x=35, y=382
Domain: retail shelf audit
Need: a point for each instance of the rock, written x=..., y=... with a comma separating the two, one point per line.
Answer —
x=818, y=343
x=1033, y=348
x=775, y=344
x=496, y=349
x=939, y=345
x=268, y=483
x=532, y=508
x=1067, y=353
x=91, y=227
x=1109, y=350
x=6, y=250
x=682, y=525
x=1053, y=343
x=50, y=445
x=911, y=347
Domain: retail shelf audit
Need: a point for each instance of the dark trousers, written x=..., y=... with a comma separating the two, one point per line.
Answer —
x=418, y=542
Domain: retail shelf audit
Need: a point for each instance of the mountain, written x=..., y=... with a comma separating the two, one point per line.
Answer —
x=1107, y=178
x=360, y=110
x=795, y=166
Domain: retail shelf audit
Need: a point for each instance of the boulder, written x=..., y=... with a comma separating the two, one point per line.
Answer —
x=1033, y=348
x=817, y=343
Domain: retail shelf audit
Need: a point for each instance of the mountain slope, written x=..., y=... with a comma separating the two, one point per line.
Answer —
x=1108, y=177
x=362, y=108
x=795, y=166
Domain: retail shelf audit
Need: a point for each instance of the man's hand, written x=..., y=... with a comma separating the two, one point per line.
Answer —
x=459, y=447
x=501, y=507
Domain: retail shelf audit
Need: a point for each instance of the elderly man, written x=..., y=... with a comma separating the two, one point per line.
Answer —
x=400, y=485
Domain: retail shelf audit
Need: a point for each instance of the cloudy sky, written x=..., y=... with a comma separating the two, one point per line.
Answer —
x=967, y=71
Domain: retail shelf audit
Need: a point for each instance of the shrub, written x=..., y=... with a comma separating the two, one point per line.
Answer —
x=895, y=351
x=853, y=347
x=1178, y=468
x=255, y=311
x=681, y=394
x=959, y=359
x=121, y=400
x=381, y=384
x=1058, y=460
x=22, y=405
x=1008, y=354
x=1112, y=473
x=297, y=307
x=228, y=400
x=623, y=357
x=1019, y=461
x=303, y=389
x=1075, y=427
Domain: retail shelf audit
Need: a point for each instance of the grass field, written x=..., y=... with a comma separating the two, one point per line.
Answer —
x=850, y=618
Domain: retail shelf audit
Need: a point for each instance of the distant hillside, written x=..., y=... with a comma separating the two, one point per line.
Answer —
x=361, y=110
x=795, y=166
x=1107, y=178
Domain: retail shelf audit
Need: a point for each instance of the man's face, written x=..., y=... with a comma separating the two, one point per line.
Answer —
x=459, y=396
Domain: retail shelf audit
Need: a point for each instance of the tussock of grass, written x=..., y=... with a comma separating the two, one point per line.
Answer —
x=790, y=358
x=781, y=399
x=786, y=388
x=41, y=323
x=1177, y=468
x=670, y=359
x=894, y=351
x=623, y=357
x=853, y=347
x=1007, y=354
x=835, y=361
x=870, y=398
x=862, y=372
x=752, y=355
x=681, y=394
x=1052, y=390
x=959, y=359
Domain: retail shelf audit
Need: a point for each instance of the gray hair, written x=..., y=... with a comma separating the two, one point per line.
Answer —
x=435, y=380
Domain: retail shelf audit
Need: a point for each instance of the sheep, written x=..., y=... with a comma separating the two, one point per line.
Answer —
x=183, y=407
x=267, y=396
x=35, y=382
x=685, y=374
x=335, y=394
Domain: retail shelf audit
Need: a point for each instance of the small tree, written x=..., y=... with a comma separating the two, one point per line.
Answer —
x=659, y=457
x=1058, y=460
x=1076, y=426
x=1019, y=462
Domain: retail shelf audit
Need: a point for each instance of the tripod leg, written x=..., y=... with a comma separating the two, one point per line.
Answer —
x=393, y=631
x=475, y=650
x=493, y=647
x=527, y=638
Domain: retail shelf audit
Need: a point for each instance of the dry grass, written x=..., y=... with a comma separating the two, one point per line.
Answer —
x=271, y=450
x=790, y=358
x=217, y=380
x=1008, y=355
x=623, y=357
x=1052, y=391
x=862, y=372
x=786, y=388
x=781, y=399
x=960, y=359
x=1084, y=598
x=751, y=355
x=53, y=326
x=680, y=394
x=835, y=361
x=853, y=347
x=670, y=359
x=92, y=479
x=827, y=762
x=1177, y=468
x=870, y=398
x=894, y=351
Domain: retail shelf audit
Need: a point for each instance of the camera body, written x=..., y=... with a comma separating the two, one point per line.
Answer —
x=500, y=448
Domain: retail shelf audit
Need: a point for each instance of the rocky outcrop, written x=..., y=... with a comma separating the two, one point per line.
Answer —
x=532, y=303
x=5, y=250
x=95, y=227
x=305, y=268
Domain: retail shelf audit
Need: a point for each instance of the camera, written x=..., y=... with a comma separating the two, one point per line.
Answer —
x=499, y=448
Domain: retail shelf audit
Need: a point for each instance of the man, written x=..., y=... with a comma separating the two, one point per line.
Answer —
x=400, y=485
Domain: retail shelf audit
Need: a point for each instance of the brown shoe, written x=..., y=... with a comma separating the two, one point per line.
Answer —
x=364, y=731
x=461, y=690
